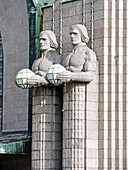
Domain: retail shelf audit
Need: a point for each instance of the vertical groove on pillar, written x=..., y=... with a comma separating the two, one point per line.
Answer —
x=116, y=97
x=41, y=140
x=119, y=120
x=83, y=12
x=43, y=135
x=60, y=27
x=125, y=73
x=112, y=81
x=110, y=56
x=126, y=83
x=102, y=115
x=105, y=128
x=53, y=17
x=92, y=24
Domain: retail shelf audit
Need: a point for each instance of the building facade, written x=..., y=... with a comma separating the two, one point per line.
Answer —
x=14, y=134
x=106, y=22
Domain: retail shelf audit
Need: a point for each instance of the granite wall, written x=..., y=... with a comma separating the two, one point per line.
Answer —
x=15, y=37
x=109, y=39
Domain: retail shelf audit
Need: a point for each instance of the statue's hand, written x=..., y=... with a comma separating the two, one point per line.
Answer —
x=65, y=76
x=37, y=80
x=40, y=73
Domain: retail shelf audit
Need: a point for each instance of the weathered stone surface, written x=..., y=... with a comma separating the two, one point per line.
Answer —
x=47, y=128
x=15, y=38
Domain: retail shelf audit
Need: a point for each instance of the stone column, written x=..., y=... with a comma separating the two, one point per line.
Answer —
x=46, y=128
x=80, y=139
x=74, y=126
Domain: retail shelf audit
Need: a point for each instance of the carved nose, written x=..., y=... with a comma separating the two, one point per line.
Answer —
x=41, y=41
x=72, y=35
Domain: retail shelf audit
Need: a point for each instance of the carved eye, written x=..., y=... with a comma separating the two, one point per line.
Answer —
x=73, y=33
x=44, y=39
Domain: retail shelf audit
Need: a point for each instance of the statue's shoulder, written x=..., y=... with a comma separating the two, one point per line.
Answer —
x=54, y=56
x=36, y=61
x=91, y=54
x=35, y=64
x=65, y=60
x=52, y=51
x=89, y=50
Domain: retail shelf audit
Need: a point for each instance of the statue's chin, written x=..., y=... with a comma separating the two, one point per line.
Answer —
x=44, y=48
x=75, y=43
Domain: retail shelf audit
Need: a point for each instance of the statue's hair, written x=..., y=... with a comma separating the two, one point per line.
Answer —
x=52, y=38
x=83, y=32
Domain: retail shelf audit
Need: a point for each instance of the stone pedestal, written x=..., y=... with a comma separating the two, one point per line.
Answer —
x=74, y=126
x=80, y=126
x=79, y=149
x=46, y=128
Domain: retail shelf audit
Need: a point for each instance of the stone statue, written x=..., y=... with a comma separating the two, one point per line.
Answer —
x=81, y=62
x=49, y=56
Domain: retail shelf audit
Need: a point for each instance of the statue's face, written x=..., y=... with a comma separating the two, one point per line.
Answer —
x=44, y=42
x=75, y=36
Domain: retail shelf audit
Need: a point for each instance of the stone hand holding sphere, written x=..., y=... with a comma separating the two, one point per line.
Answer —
x=65, y=76
x=36, y=80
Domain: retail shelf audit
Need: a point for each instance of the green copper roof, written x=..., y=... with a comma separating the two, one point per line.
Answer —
x=46, y=3
x=18, y=147
x=43, y=3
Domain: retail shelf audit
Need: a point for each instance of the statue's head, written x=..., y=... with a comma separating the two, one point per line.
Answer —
x=79, y=34
x=47, y=40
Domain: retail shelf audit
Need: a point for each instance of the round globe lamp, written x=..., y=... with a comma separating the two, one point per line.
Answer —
x=21, y=78
x=53, y=72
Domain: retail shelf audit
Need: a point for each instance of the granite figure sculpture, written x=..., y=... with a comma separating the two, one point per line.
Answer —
x=80, y=67
x=49, y=56
x=81, y=62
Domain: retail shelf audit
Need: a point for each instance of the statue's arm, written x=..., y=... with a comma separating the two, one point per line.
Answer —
x=37, y=80
x=81, y=76
x=86, y=75
x=40, y=73
x=90, y=63
x=89, y=69
x=68, y=76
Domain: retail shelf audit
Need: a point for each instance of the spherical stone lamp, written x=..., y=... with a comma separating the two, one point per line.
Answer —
x=21, y=78
x=53, y=72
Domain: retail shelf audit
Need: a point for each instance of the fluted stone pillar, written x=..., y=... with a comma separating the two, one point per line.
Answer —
x=80, y=126
x=46, y=128
x=74, y=126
